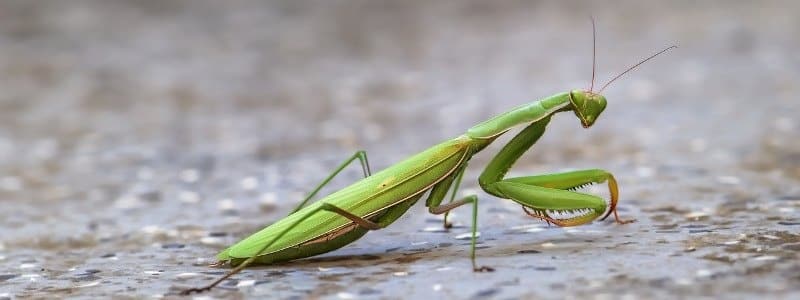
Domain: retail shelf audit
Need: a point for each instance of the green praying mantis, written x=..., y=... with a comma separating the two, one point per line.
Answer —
x=379, y=199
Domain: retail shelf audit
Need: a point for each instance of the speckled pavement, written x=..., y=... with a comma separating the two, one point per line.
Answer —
x=139, y=138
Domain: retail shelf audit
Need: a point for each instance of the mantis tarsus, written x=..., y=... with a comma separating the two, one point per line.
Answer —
x=381, y=198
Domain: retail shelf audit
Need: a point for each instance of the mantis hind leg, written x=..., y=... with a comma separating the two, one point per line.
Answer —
x=391, y=214
x=360, y=155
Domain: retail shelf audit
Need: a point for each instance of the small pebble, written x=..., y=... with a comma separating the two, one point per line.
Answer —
x=645, y=172
x=696, y=215
x=31, y=277
x=344, y=295
x=765, y=258
x=437, y=287
x=152, y=229
x=90, y=284
x=467, y=236
x=548, y=245
x=703, y=273
x=189, y=175
x=439, y=228
x=187, y=275
x=208, y=240
x=226, y=205
x=267, y=202
x=188, y=197
x=245, y=283
x=400, y=274
x=729, y=180
x=128, y=202
x=249, y=183
x=442, y=269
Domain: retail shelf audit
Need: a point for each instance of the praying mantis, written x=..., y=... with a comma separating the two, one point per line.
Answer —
x=379, y=199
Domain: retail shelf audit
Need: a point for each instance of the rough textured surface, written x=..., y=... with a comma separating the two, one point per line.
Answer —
x=137, y=139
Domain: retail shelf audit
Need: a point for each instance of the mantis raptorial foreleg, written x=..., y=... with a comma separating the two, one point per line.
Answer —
x=360, y=155
x=576, y=179
x=547, y=194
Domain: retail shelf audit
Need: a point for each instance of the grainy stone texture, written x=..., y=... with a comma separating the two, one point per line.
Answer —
x=138, y=138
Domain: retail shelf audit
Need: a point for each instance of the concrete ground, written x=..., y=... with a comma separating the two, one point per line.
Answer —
x=139, y=138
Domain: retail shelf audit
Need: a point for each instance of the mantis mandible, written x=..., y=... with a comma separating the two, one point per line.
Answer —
x=379, y=199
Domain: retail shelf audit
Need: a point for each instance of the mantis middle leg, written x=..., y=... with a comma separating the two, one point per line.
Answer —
x=360, y=155
x=439, y=191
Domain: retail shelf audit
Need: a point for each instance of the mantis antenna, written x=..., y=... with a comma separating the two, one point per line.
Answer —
x=594, y=52
x=634, y=66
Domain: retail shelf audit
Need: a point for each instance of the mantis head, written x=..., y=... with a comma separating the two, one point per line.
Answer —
x=587, y=106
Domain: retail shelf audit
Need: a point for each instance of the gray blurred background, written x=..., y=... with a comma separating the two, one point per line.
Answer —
x=139, y=138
